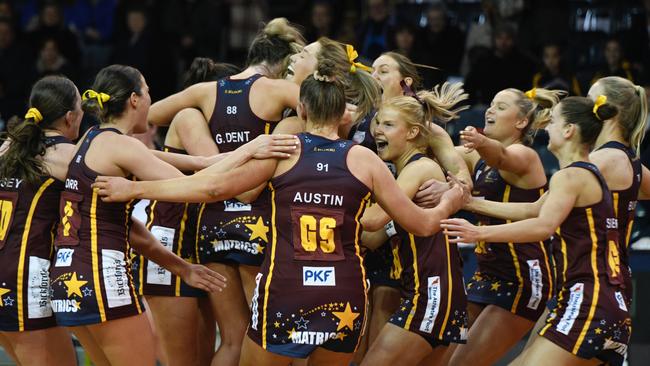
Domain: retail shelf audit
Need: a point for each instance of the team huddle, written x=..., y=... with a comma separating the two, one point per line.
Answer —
x=305, y=205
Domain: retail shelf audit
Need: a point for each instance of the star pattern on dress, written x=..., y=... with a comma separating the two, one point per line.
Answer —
x=8, y=301
x=88, y=292
x=258, y=230
x=3, y=291
x=302, y=323
x=278, y=315
x=73, y=285
x=221, y=234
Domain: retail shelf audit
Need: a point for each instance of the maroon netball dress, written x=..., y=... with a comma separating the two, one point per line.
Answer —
x=91, y=277
x=233, y=231
x=433, y=301
x=29, y=217
x=311, y=291
x=625, y=209
x=515, y=277
x=174, y=225
x=591, y=318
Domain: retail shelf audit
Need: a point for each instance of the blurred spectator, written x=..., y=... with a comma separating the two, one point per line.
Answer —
x=504, y=67
x=444, y=41
x=51, y=25
x=92, y=21
x=405, y=41
x=16, y=72
x=321, y=22
x=376, y=31
x=445, y=44
x=199, y=26
x=479, y=37
x=50, y=61
x=615, y=63
x=554, y=73
x=148, y=53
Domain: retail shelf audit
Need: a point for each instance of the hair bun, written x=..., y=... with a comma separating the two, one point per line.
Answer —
x=326, y=71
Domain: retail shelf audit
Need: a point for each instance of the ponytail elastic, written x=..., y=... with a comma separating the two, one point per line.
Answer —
x=531, y=94
x=352, y=56
x=599, y=102
x=101, y=97
x=34, y=114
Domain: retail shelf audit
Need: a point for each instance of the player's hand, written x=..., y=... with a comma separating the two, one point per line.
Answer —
x=471, y=139
x=455, y=197
x=114, y=189
x=430, y=192
x=203, y=278
x=272, y=146
x=460, y=231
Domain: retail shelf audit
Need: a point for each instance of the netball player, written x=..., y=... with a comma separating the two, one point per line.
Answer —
x=172, y=302
x=616, y=156
x=318, y=197
x=33, y=167
x=92, y=291
x=512, y=284
x=398, y=76
x=433, y=308
x=231, y=235
x=590, y=323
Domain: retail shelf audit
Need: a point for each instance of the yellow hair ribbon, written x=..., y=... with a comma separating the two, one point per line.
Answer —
x=602, y=99
x=34, y=114
x=531, y=93
x=101, y=97
x=352, y=55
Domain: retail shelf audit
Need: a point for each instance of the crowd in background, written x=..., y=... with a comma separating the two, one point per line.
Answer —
x=489, y=44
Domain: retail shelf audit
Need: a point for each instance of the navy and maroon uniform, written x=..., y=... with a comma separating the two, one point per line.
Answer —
x=591, y=318
x=91, y=278
x=379, y=262
x=433, y=303
x=311, y=291
x=232, y=231
x=174, y=225
x=29, y=217
x=515, y=277
x=625, y=209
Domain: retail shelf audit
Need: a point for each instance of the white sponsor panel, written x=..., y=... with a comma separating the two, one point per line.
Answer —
x=390, y=229
x=433, y=304
x=255, y=314
x=318, y=276
x=536, y=283
x=116, y=281
x=620, y=300
x=64, y=257
x=38, y=289
x=158, y=275
x=235, y=206
x=572, y=310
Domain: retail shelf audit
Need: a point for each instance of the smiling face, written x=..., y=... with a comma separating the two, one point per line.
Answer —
x=386, y=72
x=304, y=63
x=392, y=134
x=504, y=119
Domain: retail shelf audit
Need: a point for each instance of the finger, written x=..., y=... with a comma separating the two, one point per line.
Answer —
x=456, y=240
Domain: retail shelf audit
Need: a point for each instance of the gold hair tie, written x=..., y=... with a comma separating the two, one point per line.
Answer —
x=35, y=114
x=599, y=101
x=101, y=97
x=531, y=94
x=352, y=55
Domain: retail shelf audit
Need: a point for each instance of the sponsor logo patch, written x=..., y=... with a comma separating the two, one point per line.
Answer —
x=433, y=304
x=318, y=276
x=572, y=310
x=64, y=257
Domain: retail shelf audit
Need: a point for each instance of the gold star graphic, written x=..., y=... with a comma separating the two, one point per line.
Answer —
x=77, y=305
x=258, y=230
x=74, y=285
x=3, y=291
x=598, y=330
x=495, y=286
x=291, y=332
x=346, y=318
x=340, y=335
x=276, y=324
x=260, y=249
